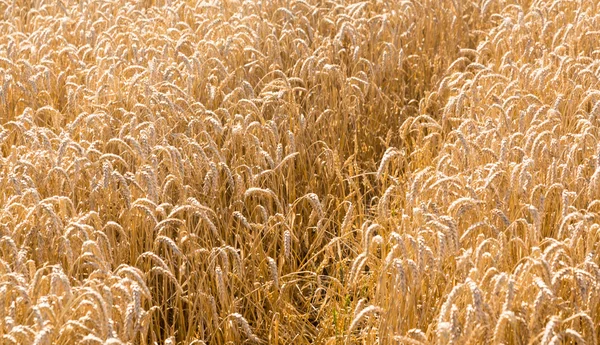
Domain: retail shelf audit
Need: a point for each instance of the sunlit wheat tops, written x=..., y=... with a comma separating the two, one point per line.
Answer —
x=299, y=172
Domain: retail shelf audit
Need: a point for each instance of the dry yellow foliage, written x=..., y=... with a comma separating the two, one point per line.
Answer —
x=299, y=172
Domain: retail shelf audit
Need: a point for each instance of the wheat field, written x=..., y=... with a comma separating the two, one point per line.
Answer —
x=299, y=172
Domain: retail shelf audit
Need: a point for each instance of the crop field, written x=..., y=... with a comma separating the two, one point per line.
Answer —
x=299, y=172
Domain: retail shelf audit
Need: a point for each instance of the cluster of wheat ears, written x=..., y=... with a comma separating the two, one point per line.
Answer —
x=299, y=171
